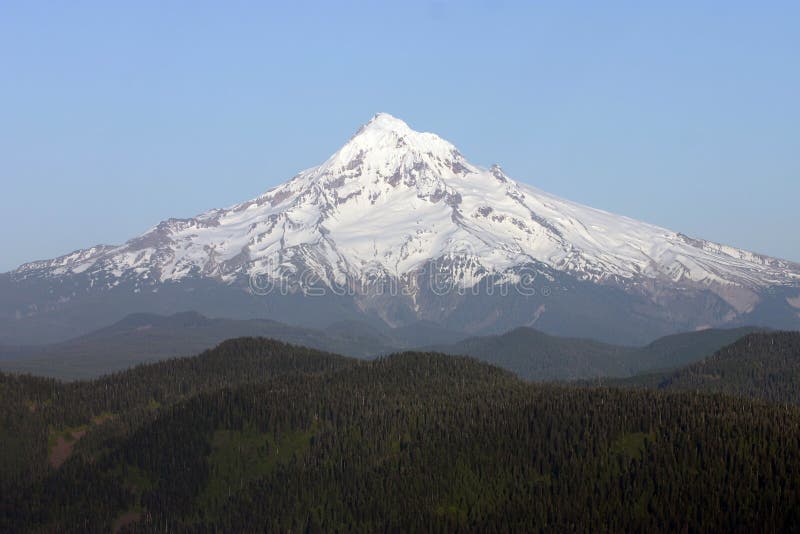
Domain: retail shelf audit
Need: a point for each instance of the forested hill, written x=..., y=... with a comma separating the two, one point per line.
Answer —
x=760, y=365
x=261, y=436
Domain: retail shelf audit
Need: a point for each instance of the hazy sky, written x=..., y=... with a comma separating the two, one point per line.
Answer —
x=115, y=115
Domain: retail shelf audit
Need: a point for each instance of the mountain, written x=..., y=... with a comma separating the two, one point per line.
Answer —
x=259, y=436
x=762, y=365
x=534, y=355
x=398, y=226
x=146, y=337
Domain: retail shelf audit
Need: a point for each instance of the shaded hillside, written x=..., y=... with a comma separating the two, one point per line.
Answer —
x=409, y=442
x=34, y=406
x=670, y=352
x=760, y=365
x=534, y=355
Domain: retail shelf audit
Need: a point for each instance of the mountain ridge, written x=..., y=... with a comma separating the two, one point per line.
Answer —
x=532, y=355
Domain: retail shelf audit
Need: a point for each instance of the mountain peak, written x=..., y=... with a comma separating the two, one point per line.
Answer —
x=386, y=131
x=387, y=150
x=386, y=122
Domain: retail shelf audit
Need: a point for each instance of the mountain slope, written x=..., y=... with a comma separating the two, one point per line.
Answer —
x=398, y=224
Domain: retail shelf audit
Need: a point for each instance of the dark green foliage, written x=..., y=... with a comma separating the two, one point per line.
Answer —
x=261, y=436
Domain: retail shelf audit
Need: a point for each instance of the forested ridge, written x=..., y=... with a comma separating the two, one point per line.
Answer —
x=259, y=435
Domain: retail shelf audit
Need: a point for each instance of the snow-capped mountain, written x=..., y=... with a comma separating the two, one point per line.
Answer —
x=393, y=206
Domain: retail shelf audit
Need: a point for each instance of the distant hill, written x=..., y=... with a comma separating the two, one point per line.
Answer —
x=147, y=337
x=534, y=355
x=142, y=338
x=763, y=365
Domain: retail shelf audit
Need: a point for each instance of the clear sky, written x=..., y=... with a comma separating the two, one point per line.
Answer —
x=115, y=115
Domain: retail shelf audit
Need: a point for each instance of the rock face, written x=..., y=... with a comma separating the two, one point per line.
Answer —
x=398, y=225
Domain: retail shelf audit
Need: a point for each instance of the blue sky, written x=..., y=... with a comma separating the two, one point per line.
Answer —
x=115, y=115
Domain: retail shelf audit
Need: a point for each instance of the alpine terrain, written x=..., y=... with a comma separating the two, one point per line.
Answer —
x=398, y=226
